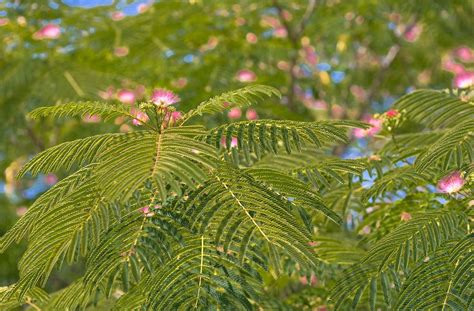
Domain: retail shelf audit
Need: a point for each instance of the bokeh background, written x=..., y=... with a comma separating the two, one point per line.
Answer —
x=330, y=59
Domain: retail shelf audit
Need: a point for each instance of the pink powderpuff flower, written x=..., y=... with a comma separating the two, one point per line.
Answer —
x=176, y=115
x=164, y=97
x=49, y=31
x=20, y=211
x=91, y=118
x=464, y=53
x=51, y=179
x=140, y=91
x=282, y=65
x=107, y=94
x=251, y=114
x=269, y=21
x=452, y=66
x=117, y=16
x=146, y=210
x=121, y=51
x=245, y=75
x=451, y=183
x=392, y=113
x=376, y=127
x=337, y=111
x=359, y=93
x=413, y=33
x=143, y=7
x=233, y=142
x=125, y=128
x=310, y=55
x=234, y=113
x=180, y=83
x=303, y=280
x=140, y=117
x=126, y=96
x=4, y=21
x=251, y=38
x=465, y=79
x=404, y=216
x=280, y=32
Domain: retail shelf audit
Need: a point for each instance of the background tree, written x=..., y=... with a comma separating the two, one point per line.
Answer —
x=329, y=59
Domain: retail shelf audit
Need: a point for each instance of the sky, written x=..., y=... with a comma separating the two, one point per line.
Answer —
x=130, y=8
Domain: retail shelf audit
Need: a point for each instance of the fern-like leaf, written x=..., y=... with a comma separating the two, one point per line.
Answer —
x=435, y=109
x=82, y=109
x=238, y=98
x=444, y=281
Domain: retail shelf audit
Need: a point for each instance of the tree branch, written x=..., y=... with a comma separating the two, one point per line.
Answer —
x=294, y=35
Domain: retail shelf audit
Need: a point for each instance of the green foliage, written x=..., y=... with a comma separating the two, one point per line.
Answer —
x=179, y=216
x=203, y=205
x=139, y=216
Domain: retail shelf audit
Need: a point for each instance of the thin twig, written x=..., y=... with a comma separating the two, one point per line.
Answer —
x=294, y=36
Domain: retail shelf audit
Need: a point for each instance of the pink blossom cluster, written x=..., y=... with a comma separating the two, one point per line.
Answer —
x=376, y=127
x=49, y=31
x=160, y=97
x=236, y=113
x=454, y=63
x=451, y=183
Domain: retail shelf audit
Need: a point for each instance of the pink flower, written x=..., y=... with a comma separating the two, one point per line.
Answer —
x=450, y=65
x=313, y=279
x=359, y=93
x=107, y=94
x=20, y=211
x=143, y=7
x=451, y=183
x=251, y=38
x=51, y=179
x=404, y=216
x=310, y=55
x=245, y=75
x=140, y=91
x=303, y=280
x=337, y=111
x=180, y=83
x=146, y=210
x=4, y=21
x=413, y=33
x=392, y=113
x=91, y=118
x=251, y=114
x=140, y=117
x=163, y=97
x=234, y=113
x=376, y=127
x=121, y=51
x=464, y=53
x=465, y=79
x=126, y=96
x=313, y=243
x=50, y=31
x=233, y=142
x=282, y=65
x=280, y=32
x=116, y=16
x=176, y=115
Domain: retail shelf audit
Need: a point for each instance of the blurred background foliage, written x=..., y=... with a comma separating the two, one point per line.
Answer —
x=329, y=58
